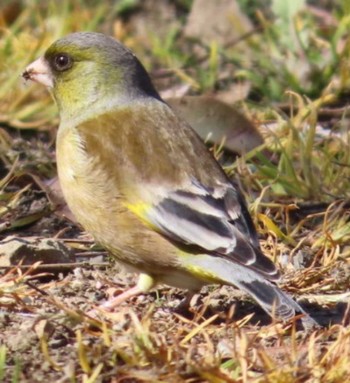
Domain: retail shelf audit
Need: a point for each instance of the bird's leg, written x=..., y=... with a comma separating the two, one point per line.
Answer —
x=144, y=284
x=112, y=303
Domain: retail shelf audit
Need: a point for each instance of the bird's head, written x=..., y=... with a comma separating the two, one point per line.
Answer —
x=90, y=70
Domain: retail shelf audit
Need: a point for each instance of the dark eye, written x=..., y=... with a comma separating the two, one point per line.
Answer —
x=62, y=62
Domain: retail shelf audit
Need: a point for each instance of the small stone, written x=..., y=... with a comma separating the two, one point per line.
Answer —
x=27, y=251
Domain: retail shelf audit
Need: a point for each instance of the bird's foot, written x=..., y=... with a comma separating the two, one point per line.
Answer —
x=111, y=304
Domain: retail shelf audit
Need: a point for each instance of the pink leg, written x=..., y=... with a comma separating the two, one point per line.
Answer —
x=144, y=284
x=112, y=303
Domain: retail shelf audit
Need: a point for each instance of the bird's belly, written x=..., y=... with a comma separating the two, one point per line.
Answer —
x=88, y=190
x=83, y=187
x=94, y=198
x=118, y=230
x=181, y=279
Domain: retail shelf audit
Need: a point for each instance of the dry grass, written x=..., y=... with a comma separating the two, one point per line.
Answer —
x=298, y=185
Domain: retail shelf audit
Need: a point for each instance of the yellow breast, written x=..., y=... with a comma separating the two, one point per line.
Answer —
x=92, y=192
x=85, y=185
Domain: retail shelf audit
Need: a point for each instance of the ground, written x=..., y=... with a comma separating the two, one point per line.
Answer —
x=50, y=333
x=278, y=89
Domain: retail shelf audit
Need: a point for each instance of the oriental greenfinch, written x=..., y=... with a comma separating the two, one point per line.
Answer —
x=140, y=180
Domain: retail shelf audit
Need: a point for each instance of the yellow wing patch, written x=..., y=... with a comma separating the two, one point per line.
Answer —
x=198, y=271
x=140, y=209
x=202, y=274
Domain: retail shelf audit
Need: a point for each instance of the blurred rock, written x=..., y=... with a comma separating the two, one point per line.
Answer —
x=27, y=251
x=150, y=19
x=220, y=20
x=9, y=13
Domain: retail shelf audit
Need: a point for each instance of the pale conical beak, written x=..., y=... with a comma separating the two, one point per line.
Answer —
x=39, y=71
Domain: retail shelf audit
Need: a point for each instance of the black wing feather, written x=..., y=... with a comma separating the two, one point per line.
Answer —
x=220, y=226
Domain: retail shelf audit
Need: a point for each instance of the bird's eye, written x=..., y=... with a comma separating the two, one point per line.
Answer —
x=62, y=62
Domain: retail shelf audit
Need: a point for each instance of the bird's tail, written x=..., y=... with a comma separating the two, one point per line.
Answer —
x=272, y=299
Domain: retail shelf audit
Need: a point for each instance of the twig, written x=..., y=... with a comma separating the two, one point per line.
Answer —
x=58, y=266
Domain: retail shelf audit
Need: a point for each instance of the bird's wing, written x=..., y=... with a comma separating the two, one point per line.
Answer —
x=200, y=210
x=217, y=223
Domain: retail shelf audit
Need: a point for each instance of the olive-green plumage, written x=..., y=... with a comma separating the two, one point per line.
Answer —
x=142, y=182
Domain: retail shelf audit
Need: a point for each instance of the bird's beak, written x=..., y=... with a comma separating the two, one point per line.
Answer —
x=39, y=71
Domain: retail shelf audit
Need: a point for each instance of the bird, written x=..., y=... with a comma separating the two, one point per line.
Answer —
x=141, y=181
